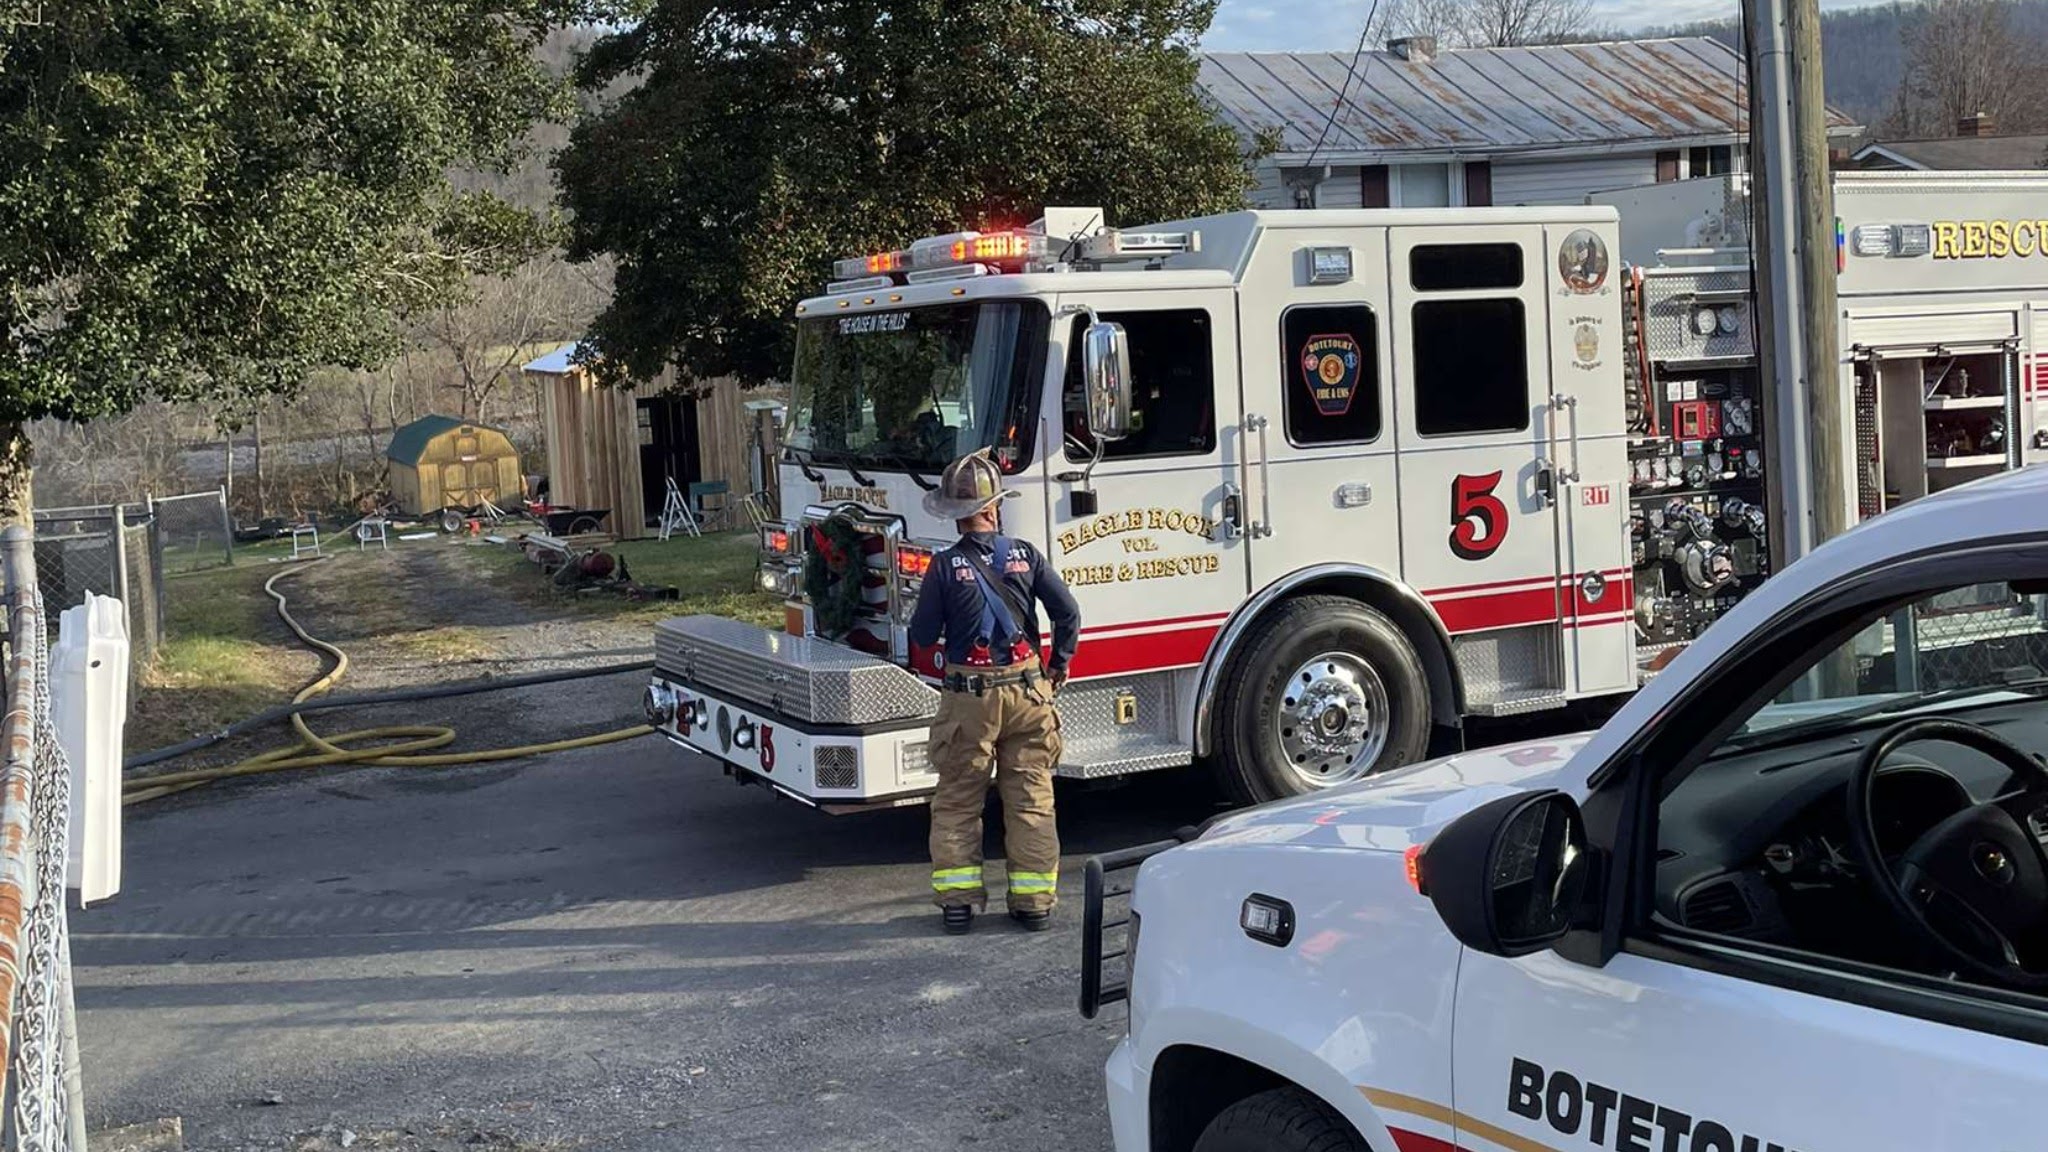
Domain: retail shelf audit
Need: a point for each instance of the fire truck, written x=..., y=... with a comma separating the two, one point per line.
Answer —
x=1322, y=482
x=1325, y=483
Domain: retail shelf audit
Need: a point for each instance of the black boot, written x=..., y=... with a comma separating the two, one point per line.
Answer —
x=1034, y=920
x=957, y=919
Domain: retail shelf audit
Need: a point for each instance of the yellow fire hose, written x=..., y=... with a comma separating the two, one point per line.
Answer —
x=314, y=750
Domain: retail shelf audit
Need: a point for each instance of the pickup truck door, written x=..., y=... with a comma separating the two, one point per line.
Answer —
x=1648, y=1055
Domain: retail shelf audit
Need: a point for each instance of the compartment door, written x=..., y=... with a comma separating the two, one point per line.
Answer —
x=1478, y=456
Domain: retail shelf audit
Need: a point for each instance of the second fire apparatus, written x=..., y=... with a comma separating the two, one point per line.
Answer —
x=1322, y=482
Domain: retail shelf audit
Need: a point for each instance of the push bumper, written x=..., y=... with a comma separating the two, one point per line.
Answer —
x=1130, y=1095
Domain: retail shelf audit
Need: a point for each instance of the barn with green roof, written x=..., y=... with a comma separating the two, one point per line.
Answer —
x=441, y=462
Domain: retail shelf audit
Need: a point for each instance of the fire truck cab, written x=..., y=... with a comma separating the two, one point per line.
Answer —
x=1322, y=482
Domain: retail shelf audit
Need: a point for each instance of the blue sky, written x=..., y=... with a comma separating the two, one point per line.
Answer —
x=1276, y=25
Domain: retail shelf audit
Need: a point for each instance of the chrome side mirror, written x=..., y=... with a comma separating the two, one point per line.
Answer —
x=1106, y=353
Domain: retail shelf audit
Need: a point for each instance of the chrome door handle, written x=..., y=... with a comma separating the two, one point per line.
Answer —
x=1233, y=512
x=1263, y=526
x=1558, y=403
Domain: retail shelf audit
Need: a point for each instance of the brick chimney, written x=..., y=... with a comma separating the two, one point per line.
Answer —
x=1414, y=49
x=1979, y=124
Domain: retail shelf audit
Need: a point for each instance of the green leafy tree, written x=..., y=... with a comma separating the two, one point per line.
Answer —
x=765, y=139
x=204, y=199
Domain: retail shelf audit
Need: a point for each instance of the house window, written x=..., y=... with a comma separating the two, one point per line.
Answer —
x=1715, y=161
x=1425, y=185
x=1667, y=167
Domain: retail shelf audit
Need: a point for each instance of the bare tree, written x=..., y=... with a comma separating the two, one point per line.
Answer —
x=489, y=337
x=1496, y=23
x=1964, y=57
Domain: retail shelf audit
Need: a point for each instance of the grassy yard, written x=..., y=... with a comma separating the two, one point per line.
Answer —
x=224, y=656
x=715, y=575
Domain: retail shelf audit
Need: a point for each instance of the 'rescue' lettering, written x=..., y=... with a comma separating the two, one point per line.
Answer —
x=1609, y=1118
x=1989, y=239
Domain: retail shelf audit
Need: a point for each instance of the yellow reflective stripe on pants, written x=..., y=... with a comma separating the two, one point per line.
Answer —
x=1034, y=881
x=956, y=879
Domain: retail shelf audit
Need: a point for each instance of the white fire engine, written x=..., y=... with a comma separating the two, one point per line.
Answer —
x=1320, y=480
x=1325, y=483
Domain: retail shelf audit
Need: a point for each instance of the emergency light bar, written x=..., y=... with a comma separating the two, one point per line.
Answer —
x=960, y=255
x=880, y=264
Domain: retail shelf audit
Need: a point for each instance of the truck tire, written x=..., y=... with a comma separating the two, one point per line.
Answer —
x=1282, y=1120
x=1326, y=691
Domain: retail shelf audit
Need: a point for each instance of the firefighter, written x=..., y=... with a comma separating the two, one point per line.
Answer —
x=982, y=595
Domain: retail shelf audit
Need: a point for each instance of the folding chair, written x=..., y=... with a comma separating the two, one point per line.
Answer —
x=300, y=534
x=371, y=528
x=708, y=513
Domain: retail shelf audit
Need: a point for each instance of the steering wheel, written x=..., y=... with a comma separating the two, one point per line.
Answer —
x=1980, y=871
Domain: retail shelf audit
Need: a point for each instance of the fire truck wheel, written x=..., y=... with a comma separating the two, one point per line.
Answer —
x=1326, y=691
x=1280, y=1120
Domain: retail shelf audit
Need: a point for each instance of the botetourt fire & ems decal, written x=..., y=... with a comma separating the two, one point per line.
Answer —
x=1601, y=1116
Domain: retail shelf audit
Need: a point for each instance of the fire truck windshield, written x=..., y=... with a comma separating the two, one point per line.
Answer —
x=911, y=389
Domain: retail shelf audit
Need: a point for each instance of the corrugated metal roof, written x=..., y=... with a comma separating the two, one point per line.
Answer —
x=554, y=363
x=1479, y=101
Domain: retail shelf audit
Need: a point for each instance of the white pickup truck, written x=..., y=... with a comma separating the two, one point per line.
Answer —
x=1792, y=898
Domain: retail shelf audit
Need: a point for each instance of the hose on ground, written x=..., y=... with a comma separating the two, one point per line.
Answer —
x=401, y=746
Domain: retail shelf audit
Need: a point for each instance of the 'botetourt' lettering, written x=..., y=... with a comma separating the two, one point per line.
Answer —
x=1609, y=1118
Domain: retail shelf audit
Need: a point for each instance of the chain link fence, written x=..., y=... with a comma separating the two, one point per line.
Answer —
x=38, y=1017
x=1970, y=637
x=194, y=530
x=110, y=550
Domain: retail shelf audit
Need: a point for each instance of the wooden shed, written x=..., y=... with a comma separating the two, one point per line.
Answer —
x=616, y=447
x=441, y=462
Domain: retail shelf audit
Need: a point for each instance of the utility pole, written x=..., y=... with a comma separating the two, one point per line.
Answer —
x=1793, y=196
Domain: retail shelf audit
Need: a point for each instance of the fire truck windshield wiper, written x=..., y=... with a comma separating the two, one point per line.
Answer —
x=836, y=458
x=910, y=469
x=803, y=458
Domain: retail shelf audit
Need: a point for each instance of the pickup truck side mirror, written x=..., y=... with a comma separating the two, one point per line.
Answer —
x=1507, y=876
x=1106, y=355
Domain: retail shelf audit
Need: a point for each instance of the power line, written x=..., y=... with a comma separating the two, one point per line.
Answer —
x=1364, y=34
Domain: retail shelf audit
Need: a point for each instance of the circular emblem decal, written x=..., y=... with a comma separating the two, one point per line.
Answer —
x=1582, y=261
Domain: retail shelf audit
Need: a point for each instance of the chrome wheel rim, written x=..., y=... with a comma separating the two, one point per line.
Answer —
x=1333, y=719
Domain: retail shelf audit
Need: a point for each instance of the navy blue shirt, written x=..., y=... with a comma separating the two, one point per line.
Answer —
x=950, y=602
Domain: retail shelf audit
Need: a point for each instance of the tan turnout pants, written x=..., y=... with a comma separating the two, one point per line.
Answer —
x=1016, y=728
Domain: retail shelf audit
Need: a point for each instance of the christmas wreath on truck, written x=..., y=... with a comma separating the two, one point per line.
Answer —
x=835, y=574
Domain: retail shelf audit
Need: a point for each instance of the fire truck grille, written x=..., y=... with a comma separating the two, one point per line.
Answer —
x=837, y=767
x=799, y=677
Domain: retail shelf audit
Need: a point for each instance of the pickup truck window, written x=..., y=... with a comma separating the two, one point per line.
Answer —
x=1776, y=840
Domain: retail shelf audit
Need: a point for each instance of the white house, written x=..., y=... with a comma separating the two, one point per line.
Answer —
x=1418, y=127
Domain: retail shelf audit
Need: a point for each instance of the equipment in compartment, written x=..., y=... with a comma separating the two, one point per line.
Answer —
x=1699, y=532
